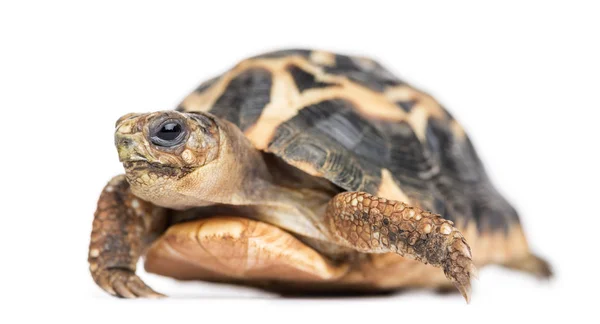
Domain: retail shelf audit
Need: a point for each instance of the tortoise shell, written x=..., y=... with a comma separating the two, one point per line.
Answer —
x=349, y=120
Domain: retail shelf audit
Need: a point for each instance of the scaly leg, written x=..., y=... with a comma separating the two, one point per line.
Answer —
x=376, y=225
x=123, y=227
x=532, y=264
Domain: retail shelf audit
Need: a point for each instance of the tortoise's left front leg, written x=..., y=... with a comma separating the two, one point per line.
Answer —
x=123, y=227
x=376, y=225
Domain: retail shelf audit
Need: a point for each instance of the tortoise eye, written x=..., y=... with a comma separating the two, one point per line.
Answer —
x=168, y=133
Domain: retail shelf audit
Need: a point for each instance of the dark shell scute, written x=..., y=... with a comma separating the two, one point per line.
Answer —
x=304, y=80
x=407, y=106
x=245, y=97
x=333, y=128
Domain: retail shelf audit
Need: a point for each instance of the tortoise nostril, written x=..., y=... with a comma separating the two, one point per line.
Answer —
x=125, y=142
x=127, y=148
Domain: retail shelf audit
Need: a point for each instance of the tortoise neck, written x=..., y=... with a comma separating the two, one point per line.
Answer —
x=242, y=175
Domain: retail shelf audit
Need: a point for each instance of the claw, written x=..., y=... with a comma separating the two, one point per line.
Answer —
x=460, y=268
x=122, y=290
x=465, y=290
x=125, y=284
x=140, y=289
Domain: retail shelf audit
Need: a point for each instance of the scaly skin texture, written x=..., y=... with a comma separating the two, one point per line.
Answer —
x=122, y=228
x=376, y=225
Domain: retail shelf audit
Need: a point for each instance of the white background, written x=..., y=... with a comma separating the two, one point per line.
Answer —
x=523, y=78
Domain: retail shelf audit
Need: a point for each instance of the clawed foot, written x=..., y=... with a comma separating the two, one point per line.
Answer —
x=124, y=283
x=459, y=267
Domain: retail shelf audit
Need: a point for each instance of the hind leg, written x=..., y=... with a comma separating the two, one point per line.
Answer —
x=376, y=225
x=506, y=247
x=531, y=264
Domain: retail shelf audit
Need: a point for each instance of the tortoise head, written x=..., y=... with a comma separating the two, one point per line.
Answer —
x=163, y=153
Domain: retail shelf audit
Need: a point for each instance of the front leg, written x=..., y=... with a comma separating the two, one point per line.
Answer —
x=123, y=227
x=376, y=225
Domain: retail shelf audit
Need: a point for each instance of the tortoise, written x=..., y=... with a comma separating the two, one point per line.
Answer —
x=303, y=171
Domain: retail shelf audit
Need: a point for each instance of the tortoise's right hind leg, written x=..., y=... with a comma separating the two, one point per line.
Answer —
x=376, y=225
x=533, y=264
